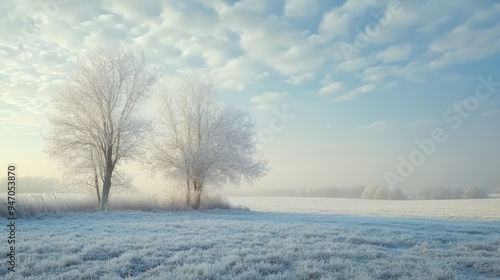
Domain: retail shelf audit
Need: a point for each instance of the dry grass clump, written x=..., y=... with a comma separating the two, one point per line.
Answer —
x=29, y=204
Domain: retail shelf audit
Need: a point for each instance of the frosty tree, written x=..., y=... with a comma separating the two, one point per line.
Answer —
x=95, y=126
x=203, y=143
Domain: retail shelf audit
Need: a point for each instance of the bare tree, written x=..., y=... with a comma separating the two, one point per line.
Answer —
x=96, y=126
x=202, y=143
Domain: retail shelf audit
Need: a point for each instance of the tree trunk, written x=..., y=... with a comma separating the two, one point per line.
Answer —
x=197, y=196
x=97, y=190
x=188, y=194
x=106, y=186
x=96, y=180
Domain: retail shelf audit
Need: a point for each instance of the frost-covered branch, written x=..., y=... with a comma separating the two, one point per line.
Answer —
x=95, y=125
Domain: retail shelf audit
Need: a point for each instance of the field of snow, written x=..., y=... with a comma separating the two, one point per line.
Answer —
x=229, y=244
x=474, y=209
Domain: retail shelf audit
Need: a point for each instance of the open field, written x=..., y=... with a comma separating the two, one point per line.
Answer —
x=29, y=204
x=471, y=209
x=229, y=244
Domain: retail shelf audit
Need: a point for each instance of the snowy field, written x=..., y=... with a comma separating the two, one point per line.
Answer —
x=474, y=209
x=229, y=244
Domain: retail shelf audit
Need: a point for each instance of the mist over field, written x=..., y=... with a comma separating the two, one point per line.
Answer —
x=249, y=139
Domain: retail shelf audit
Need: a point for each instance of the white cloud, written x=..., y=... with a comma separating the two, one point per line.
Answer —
x=327, y=79
x=331, y=88
x=27, y=111
x=297, y=80
x=236, y=73
x=426, y=14
x=338, y=22
x=391, y=84
x=486, y=14
x=414, y=72
x=213, y=52
x=425, y=123
x=354, y=64
x=300, y=8
x=355, y=92
x=384, y=126
x=491, y=113
x=193, y=20
x=451, y=40
x=378, y=126
x=379, y=73
x=268, y=100
x=241, y=42
x=298, y=59
x=335, y=23
x=143, y=12
x=395, y=53
x=273, y=41
x=252, y=8
x=464, y=43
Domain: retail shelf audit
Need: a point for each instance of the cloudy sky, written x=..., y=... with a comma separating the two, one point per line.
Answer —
x=344, y=92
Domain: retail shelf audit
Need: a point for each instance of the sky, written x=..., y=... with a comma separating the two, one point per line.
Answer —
x=345, y=93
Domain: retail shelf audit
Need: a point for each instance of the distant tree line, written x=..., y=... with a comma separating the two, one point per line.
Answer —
x=386, y=193
x=380, y=192
x=338, y=192
x=37, y=184
x=452, y=193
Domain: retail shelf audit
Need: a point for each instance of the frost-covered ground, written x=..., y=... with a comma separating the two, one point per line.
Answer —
x=475, y=209
x=229, y=244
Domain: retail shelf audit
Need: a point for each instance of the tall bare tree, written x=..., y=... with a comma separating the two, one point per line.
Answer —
x=96, y=125
x=201, y=142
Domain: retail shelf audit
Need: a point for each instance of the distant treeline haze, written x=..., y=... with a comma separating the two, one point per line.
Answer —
x=380, y=192
x=39, y=184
